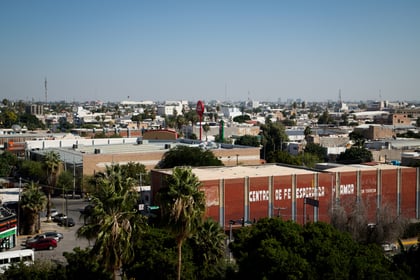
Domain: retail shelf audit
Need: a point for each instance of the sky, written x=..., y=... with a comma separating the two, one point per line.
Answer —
x=210, y=50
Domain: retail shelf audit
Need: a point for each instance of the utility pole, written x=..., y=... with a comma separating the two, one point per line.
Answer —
x=18, y=208
x=74, y=179
x=46, y=90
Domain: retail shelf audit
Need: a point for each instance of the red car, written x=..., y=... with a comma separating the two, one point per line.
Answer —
x=42, y=244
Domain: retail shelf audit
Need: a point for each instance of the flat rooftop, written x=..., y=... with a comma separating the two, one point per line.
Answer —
x=229, y=172
x=232, y=172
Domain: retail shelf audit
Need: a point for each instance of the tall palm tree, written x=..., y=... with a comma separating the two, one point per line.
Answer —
x=184, y=205
x=52, y=162
x=32, y=201
x=113, y=221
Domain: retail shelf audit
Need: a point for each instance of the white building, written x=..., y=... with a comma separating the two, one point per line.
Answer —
x=169, y=108
x=230, y=112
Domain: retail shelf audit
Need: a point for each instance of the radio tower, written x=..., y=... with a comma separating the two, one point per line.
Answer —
x=339, y=96
x=46, y=90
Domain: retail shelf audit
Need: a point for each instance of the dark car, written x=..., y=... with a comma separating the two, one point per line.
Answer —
x=88, y=210
x=42, y=244
x=67, y=222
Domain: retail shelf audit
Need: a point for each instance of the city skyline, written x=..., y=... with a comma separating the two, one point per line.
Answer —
x=214, y=50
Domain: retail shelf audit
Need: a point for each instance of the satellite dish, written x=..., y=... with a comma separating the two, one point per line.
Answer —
x=16, y=128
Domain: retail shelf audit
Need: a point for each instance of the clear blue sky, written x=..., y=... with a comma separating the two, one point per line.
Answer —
x=224, y=50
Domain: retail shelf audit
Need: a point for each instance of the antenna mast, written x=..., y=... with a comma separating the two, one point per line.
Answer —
x=46, y=90
x=339, y=96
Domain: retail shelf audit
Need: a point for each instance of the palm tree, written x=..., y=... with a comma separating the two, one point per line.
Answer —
x=206, y=128
x=52, y=161
x=184, y=205
x=32, y=201
x=113, y=221
x=208, y=246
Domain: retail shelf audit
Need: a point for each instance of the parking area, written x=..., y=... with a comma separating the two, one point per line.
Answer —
x=70, y=240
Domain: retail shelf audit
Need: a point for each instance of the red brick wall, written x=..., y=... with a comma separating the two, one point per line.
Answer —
x=408, y=192
x=369, y=192
x=234, y=199
x=211, y=191
x=282, y=197
x=374, y=185
x=326, y=187
x=389, y=190
x=259, y=198
x=347, y=190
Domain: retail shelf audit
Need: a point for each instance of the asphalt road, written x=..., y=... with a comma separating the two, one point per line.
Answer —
x=70, y=240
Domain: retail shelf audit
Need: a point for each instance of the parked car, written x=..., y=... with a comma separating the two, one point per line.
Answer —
x=52, y=234
x=54, y=212
x=60, y=216
x=42, y=244
x=67, y=222
x=49, y=234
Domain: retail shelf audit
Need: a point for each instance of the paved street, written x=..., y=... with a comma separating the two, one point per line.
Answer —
x=69, y=241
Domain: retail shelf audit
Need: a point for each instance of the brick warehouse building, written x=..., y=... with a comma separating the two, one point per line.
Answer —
x=254, y=192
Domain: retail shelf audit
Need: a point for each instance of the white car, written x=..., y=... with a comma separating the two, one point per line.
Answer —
x=53, y=212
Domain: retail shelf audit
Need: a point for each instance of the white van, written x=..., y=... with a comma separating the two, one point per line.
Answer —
x=26, y=256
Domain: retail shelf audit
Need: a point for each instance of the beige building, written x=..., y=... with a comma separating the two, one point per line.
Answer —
x=89, y=159
x=374, y=132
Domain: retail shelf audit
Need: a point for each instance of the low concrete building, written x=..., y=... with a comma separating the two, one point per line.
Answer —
x=88, y=156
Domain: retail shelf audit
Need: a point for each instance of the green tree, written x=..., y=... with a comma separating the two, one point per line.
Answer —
x=32, y=201
x=40, y=270
x=270, y=249
x=191, y=116
x=242, y=118
x=31, y=122
x=248, y=140
x=156, y=256
x=208, y=245
x=320, y=152
x=180, y=122
x=206, y=128
x=188, y=156
x=113, y=222
x=273, y=136
x=65, y=183
x=8, y=118
x=80, y=262
x=276, y=249
x=325, y=118
x=358, y=138
x=183, y=205
x=8, y=162
x=307, y=131
x=355, y=155
x=32, y=170
x=52, y=163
